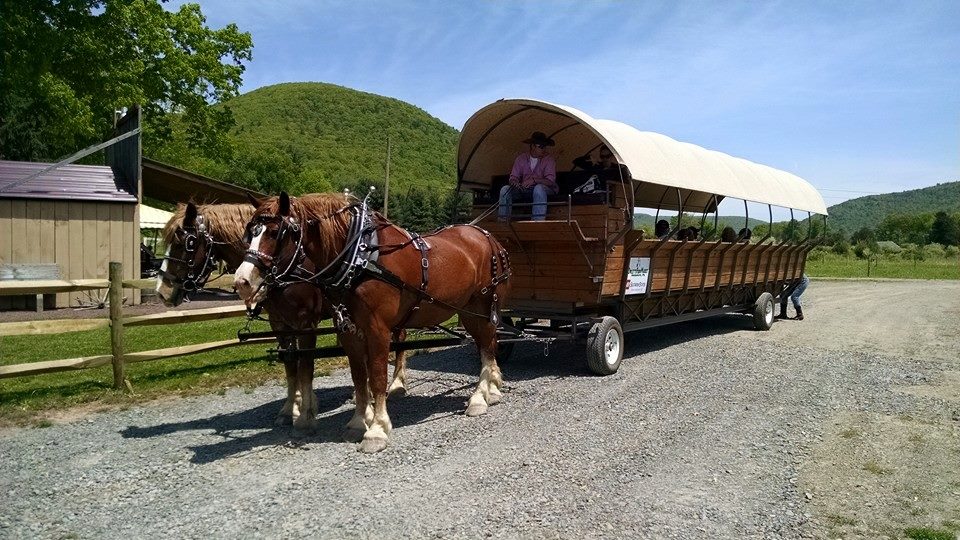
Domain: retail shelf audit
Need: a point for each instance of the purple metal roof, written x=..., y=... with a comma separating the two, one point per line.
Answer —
x=74, y=182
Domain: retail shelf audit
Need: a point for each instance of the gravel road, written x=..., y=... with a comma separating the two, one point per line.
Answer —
x=709, y=430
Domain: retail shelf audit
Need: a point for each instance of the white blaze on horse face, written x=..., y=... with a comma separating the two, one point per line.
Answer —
x=164, y=291
x=248, y=272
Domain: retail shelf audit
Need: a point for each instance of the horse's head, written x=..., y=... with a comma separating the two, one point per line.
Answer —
x=189, y=259
x=273, y=234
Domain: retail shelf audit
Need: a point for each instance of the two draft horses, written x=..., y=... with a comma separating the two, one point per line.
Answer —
x=377, y=278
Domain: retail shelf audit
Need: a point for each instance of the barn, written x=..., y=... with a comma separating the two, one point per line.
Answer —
x=70, y=221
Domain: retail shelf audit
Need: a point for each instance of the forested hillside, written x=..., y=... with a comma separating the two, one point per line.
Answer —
x=870, y=211
x=308, y=137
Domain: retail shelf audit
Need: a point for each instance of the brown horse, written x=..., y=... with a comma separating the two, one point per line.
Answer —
x=197, y=238
x=414, y=283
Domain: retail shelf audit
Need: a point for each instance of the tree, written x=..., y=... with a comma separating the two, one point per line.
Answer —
x=841, y=247
x=68, y=65
x=913, y=252
x=945, y=230
x=905, y=228
x=865, y=236
x=791, y=231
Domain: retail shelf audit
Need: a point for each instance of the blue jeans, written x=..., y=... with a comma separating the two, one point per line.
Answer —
x=795, y=295
x=538, y=194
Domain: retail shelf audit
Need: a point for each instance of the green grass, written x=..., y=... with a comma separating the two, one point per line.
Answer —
x=833, y=265
x=838, y=520
x=24, y=400
x=875, y=468
x=850, y=433
x=928, y=533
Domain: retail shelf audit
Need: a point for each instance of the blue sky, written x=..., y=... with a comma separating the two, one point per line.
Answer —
x=855, y=97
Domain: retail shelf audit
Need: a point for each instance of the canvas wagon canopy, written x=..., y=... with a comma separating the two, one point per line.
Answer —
x=664, y=171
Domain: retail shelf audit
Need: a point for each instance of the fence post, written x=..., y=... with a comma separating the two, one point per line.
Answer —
x=116, y=327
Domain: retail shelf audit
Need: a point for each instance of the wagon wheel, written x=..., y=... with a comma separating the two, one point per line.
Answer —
x=605, y=346
x=763, y=312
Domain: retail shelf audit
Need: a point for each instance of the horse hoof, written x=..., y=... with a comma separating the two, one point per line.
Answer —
x=353, y=435
x=283, y=420
x=493, y=399
x=372, y=446
x=398, y=392
x=476, y=409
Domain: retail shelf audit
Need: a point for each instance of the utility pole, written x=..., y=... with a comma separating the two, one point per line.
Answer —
x=386, y=184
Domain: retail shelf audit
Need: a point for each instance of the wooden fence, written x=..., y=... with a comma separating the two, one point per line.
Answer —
x=115, y=321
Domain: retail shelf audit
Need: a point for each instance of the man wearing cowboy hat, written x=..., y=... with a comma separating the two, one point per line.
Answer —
x=534, y=176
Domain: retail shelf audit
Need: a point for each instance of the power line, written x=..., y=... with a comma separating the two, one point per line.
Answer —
x=853, y=191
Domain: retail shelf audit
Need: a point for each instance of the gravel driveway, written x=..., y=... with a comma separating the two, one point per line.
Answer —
x=709, y=430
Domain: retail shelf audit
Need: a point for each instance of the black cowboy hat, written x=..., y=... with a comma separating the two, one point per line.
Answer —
x=539, y=137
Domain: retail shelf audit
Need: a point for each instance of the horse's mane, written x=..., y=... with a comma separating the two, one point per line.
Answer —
x=226, y=222
x=324, y=209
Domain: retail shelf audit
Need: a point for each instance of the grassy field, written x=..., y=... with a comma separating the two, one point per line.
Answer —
x=29, y=399
x=833, y=265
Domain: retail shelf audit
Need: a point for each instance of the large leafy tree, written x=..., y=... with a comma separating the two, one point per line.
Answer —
x=67, y=65
x=905, y=228
x=945, y=230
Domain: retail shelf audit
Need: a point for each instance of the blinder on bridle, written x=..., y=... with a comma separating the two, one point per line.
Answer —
x=195, y=278
x=266, y=263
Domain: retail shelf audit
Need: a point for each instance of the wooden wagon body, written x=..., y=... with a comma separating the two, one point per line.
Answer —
x=586, y=264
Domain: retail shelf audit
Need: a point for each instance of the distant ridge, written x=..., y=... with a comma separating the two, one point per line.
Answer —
x=869, y=211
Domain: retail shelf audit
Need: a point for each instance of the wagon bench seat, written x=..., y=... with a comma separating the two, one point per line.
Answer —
x=538, y=231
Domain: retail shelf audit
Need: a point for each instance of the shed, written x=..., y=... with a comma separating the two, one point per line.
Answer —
x=72, y=220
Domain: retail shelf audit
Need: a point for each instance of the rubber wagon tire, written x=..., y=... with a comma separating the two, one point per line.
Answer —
x=605, y=346
x=763, y=312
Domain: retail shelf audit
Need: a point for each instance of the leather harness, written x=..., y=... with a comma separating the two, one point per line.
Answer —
x=359, y=260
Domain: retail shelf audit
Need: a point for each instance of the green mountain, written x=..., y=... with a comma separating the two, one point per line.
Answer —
x=869, y=211
x=307, y=137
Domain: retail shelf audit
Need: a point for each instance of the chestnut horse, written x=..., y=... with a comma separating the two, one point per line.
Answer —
x=197, y=238
x=379, y=278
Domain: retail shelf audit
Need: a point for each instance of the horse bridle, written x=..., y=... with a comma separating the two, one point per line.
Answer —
x=341, y=270
x=266, y=263
x=195, y=278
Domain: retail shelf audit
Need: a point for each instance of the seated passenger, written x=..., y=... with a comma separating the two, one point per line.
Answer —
x=662, y=229
x=745, y=234
x=727, y=235
x=600, y=169
x=534, y=177
x=586, y=162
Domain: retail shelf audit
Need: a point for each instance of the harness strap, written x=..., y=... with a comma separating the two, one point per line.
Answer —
x=422, y=294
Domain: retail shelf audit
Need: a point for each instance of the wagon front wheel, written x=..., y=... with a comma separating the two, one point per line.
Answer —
x=605, y=346
x=763, y=312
